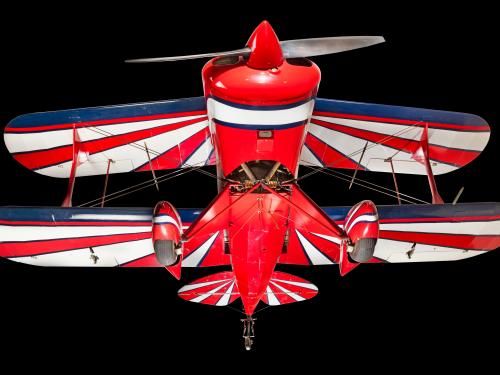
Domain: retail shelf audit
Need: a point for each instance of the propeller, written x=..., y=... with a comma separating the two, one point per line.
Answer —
x=237, y=52
x=290, y=48
x=264, y=43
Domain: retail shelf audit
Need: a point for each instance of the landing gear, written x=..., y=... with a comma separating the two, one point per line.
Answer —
x=248, y=331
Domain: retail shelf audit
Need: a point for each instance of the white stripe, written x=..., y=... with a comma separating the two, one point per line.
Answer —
x=362, y=218
x=126, y=157
x=271, y=297
x=297, y=283
x=464, y=227
x=201, y=155
x=34, y=233
x=295, y=296
x=475, y=141
x=397, y=252
x=166, y=219
x=21, y=142
x=188, y=287
x=315, y=256
x=204, y=296
x=224, y=301
x=193, y=259
x=308, y=158
x=328, y=238
x=233, y=115
x=109, y=255
x=352, y=214
x=110, y=217
x=375, y=156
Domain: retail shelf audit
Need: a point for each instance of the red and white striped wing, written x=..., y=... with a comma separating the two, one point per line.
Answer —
x=219, y=289
x=284, y=288
x=433, y=239
x=175, y=133
x=340, y=130
x=77, y=237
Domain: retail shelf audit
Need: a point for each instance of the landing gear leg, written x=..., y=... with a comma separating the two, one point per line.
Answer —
x=248, y=331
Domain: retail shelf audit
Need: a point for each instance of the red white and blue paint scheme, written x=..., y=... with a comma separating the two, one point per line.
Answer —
x=259, y=121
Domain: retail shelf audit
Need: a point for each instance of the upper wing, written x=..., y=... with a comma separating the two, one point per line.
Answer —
x=414, y=233
x=340, y=130
x=174, y=132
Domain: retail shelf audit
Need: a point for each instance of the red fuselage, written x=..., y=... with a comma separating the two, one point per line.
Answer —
x=259, y=109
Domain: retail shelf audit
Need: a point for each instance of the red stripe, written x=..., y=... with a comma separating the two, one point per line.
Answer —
x=438, y=153
x=438, y=219
x=103, y=122
x=174, y=157
x=460, y=241
x=328, y=155
x=403, y=122
x=78, y=223
x=147, y=261
x=18, y=249
x=43, y=158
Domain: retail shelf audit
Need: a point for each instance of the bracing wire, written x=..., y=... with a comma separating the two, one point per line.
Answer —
x=377, y=188
x=354, y=153
x=348, y=178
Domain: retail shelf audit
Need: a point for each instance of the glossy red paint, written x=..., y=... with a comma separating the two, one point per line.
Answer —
x=236, y=146
x=257, y=221
x=266, y=49
x=243, y=84
x=167, y=225
x=362, y=221
x=265, y=82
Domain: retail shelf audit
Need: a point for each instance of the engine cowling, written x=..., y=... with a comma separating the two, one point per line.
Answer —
x=167, y=234
x=362, y=227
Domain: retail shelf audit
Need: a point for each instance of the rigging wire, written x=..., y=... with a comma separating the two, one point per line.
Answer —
x=418, y=200
x=135, y=188
x=332, y=173
x=153, y=183
x=176, y=173
x=354, y=153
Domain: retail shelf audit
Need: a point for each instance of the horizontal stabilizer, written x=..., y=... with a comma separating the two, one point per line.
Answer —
x=284, y=288
x=369, y=136
x=219, y=289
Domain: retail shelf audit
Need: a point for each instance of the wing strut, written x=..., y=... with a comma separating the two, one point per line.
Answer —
x=395, y=180
x=421, y=154
x=106, y=183
x=77, y=153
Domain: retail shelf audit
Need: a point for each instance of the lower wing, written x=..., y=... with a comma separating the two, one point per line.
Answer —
x=93, y=237
x=411, y=233
x=369, y=136
x=114, y=237
x=132, y=137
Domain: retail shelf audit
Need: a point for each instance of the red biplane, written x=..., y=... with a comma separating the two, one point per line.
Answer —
x=259, y=120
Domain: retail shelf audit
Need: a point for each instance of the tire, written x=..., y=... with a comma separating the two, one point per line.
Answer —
x=363, y=250
x=165, y=252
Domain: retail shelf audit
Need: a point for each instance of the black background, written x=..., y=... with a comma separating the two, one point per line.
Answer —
x=58, y=57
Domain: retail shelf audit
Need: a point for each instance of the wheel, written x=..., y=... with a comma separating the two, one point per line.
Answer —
x=165, y=252
x=248, y=343
x=363, y=250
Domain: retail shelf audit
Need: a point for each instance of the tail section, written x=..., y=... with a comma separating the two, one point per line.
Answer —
x=284, y=288
x=219, y=289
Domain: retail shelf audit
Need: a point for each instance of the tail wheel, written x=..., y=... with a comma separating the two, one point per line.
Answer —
x=363, y=250
x=165, y=252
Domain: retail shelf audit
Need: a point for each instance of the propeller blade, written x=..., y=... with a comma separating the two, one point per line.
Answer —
x=238, y=52
x=325, y=46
